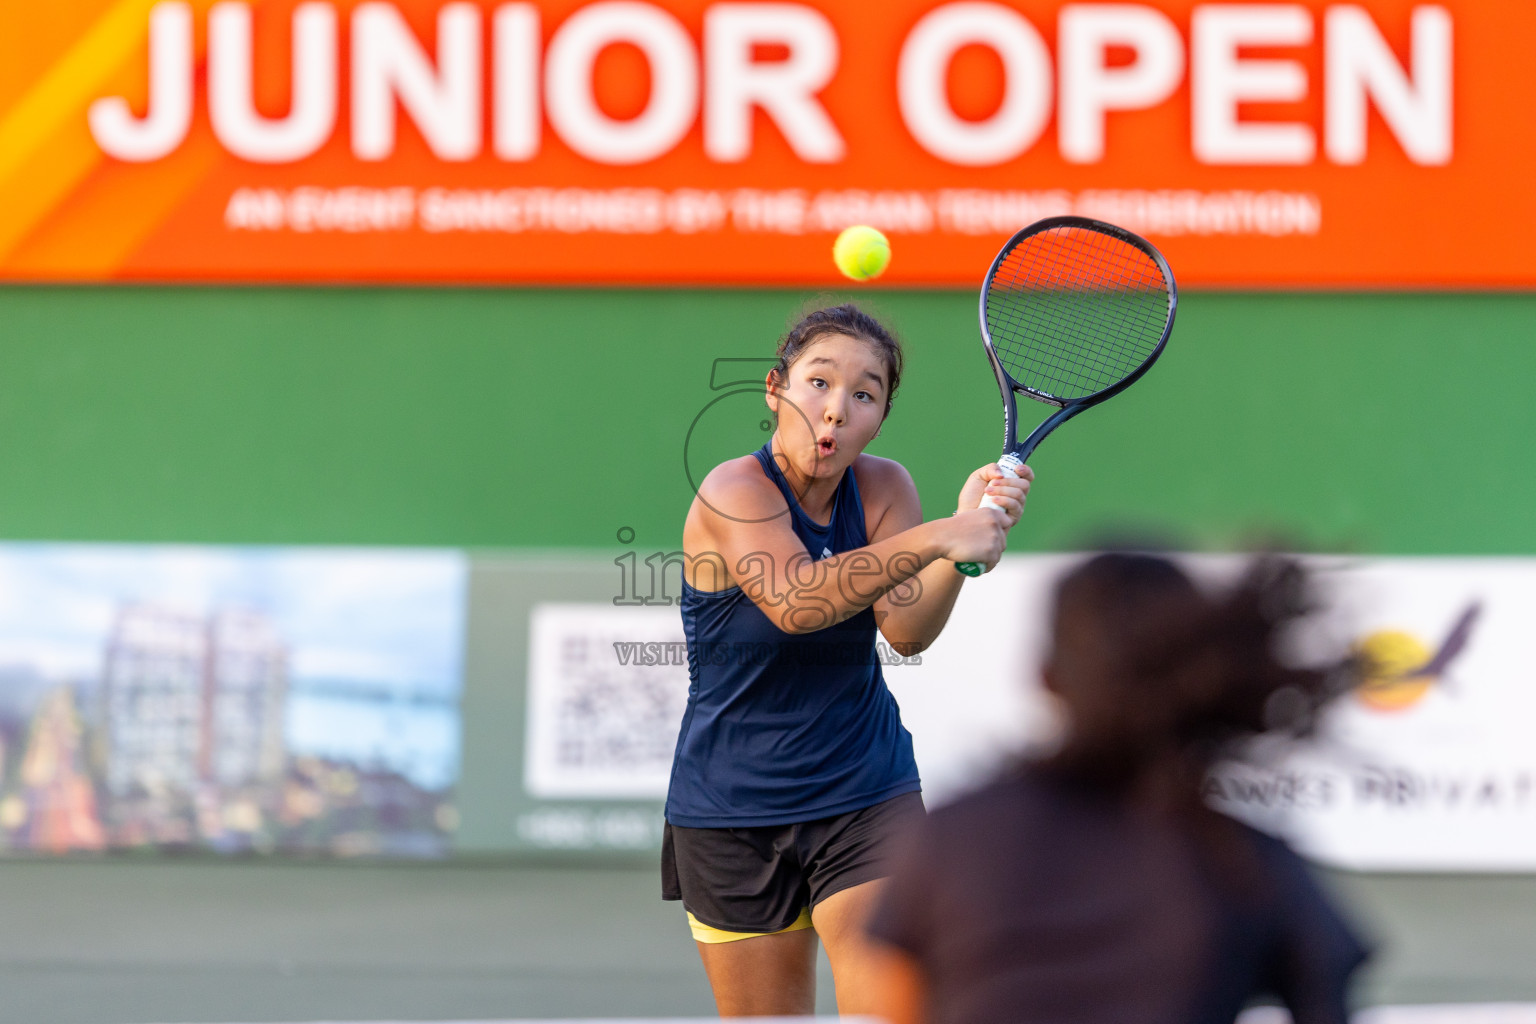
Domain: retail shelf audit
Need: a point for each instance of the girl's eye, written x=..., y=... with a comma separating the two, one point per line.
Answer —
x=818, y=382
x=864, y=396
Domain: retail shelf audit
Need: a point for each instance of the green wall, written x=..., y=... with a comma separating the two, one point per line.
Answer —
x=550, y=419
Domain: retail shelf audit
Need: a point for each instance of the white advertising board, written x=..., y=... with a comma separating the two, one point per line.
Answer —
x=606, y=690
x=1423, y=770
x=1419, y=770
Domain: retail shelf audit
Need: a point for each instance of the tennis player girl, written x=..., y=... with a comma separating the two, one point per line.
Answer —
x=793, y=771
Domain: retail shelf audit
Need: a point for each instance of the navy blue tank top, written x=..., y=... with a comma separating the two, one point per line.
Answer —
x=783, y=728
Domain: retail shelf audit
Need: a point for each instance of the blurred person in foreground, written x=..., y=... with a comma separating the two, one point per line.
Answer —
x=1094, y=884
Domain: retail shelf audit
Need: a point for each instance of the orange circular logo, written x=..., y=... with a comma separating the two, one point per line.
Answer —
x=1393, y=660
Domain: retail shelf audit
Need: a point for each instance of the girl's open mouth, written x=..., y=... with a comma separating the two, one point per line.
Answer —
x=825, y=446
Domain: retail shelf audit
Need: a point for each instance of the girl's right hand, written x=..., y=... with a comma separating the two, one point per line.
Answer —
x=975, y=535
x=1009, y=492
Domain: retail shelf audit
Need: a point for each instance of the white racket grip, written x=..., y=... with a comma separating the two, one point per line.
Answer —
x=1009, y=464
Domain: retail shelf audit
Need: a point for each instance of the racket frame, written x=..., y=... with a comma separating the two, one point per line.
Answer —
x=1016, y=452
x=1066, y=408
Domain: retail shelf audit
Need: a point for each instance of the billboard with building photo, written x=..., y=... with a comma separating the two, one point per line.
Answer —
x=229, y=699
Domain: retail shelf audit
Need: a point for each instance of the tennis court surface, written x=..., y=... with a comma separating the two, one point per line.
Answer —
x=209, y=942
x=1495, y=1013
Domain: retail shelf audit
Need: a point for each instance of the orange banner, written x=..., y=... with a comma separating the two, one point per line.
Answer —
x=1382, y=144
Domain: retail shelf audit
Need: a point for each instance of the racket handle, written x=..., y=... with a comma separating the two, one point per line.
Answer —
x=1009, y=464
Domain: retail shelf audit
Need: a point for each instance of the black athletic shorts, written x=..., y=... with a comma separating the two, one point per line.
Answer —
x=761, y=879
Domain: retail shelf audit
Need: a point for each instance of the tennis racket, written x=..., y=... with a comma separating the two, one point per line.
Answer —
x=1073, y=312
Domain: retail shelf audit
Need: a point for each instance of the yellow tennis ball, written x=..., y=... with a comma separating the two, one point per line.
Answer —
x=861, y=252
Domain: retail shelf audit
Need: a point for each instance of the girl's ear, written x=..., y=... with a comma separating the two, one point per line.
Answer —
x=771, y=389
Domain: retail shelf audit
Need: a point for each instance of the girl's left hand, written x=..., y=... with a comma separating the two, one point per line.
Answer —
x=1009, y=493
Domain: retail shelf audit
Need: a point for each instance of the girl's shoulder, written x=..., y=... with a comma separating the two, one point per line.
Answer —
x=877, y=476
x=884, y=486
x=733, y=474
x=738, y=491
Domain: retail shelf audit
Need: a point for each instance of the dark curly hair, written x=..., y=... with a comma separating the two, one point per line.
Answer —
x=1163, y=679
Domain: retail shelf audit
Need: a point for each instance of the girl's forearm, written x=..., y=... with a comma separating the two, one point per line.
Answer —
x=911, y=627
x=808, y=595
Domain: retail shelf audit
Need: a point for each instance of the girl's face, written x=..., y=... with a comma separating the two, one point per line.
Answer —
x=832, y=405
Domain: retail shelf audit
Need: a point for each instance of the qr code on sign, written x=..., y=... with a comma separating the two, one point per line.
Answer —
x=606, y=691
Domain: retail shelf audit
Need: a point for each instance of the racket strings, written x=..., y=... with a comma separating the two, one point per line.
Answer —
x=1063, y=342
x=1076, y=311
x=1072, y=311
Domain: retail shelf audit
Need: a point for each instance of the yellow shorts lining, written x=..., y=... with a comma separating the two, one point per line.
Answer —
x=704, y=933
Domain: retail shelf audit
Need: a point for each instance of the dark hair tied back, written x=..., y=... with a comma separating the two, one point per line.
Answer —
x=848, y=320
